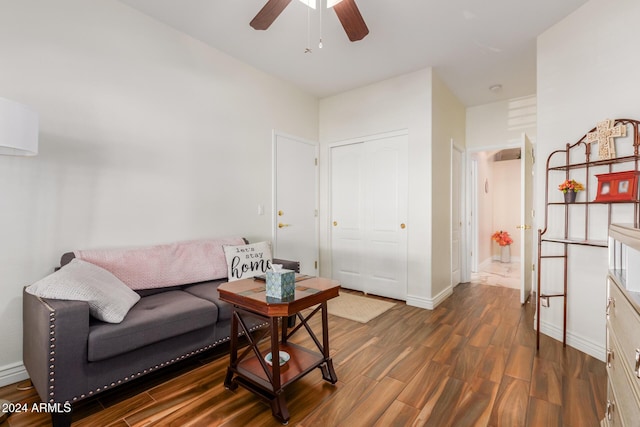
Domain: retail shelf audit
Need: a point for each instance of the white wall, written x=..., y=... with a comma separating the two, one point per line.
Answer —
x=587, y=72
x=146, y=136
x=501, y=124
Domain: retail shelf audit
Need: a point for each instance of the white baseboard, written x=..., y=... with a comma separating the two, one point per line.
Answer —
x=429, y=303
x=11, y=374
x=585, y=345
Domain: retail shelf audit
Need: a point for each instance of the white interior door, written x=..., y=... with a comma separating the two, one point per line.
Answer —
x=456, y=214
x=386, y=217
x=369, y=215
x=527, y=160
x=295, y=204
x=347, y=214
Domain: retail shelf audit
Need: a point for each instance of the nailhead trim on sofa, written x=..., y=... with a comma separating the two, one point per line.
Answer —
x=52, y=339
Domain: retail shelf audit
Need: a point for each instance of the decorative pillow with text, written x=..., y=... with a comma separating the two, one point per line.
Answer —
x=245, y=261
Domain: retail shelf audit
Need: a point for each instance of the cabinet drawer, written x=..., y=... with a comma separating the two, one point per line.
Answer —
x=624, y=321
x=621, y=391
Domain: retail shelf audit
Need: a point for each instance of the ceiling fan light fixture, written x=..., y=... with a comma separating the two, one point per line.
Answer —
x=310, y=3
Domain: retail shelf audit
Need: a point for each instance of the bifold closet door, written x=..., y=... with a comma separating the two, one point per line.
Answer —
x=369, y=216
x=347, y=209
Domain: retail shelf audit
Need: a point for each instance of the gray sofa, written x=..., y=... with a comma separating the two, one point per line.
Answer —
x=71, y=355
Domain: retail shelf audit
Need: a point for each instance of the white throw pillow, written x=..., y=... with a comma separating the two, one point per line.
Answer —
x=109, y=299
x=245, y=261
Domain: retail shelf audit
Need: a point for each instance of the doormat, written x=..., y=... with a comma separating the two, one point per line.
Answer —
x=357, y=308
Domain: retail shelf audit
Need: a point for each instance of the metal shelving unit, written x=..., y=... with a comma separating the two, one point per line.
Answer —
x=564, y=161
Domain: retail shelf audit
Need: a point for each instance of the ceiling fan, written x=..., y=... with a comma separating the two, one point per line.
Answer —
x=347, y=11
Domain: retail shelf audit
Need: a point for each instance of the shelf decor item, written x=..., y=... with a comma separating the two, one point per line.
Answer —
x=505, y=254
x=617, y=186
x=570, y=188
x=604, y=134
x=504, y=240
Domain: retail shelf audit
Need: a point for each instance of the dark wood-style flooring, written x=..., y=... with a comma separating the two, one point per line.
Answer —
x=470, y=362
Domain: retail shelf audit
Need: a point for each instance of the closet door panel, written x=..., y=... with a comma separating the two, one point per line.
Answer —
x=347, y=219
x=385, y=217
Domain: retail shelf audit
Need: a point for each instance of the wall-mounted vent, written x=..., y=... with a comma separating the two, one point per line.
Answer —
x=507, y=154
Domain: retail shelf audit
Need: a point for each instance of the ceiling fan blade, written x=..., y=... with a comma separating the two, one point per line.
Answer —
x=268, y=14
x=351, y=20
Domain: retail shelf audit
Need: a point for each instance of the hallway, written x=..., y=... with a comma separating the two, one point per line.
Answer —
x=499, y=274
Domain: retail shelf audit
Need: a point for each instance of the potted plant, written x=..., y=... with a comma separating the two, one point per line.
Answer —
x=570, y=188
x=503, y=239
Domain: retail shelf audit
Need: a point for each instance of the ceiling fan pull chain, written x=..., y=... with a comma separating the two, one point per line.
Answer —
x=320, y=11
x=308, y=49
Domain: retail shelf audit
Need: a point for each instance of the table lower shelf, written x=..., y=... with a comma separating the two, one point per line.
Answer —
x=302, y=361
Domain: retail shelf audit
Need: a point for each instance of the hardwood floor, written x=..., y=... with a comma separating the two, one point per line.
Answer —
x=470, y=362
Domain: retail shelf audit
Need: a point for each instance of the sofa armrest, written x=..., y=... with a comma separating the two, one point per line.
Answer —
x=55, y=336
x=288, y=264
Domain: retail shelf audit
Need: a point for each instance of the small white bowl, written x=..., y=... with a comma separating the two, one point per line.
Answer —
x=284, y=358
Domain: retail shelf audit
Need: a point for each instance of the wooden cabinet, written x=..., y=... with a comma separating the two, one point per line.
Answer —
x=623, y=327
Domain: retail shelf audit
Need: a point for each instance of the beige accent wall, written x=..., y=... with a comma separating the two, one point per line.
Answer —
x=448, y=127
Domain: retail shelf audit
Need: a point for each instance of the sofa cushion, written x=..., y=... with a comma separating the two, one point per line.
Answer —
x=109, y=299
x=245, y=261
x=209, y=292
x=154, y=318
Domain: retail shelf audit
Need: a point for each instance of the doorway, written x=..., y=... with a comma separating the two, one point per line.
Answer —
x=496, y=186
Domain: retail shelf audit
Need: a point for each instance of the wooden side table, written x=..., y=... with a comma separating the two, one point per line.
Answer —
x=249, y=368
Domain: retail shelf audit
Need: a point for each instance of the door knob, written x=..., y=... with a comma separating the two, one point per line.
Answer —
x=523, y=227
x=403, y=226
x=281, y=225
x=335, y=223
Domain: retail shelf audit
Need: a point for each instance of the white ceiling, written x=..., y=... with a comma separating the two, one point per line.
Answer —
x=472, y=44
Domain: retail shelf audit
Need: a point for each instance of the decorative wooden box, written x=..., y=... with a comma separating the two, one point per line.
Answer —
x=617, y=186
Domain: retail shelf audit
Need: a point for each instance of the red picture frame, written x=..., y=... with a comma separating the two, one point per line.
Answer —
x=617, y=187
